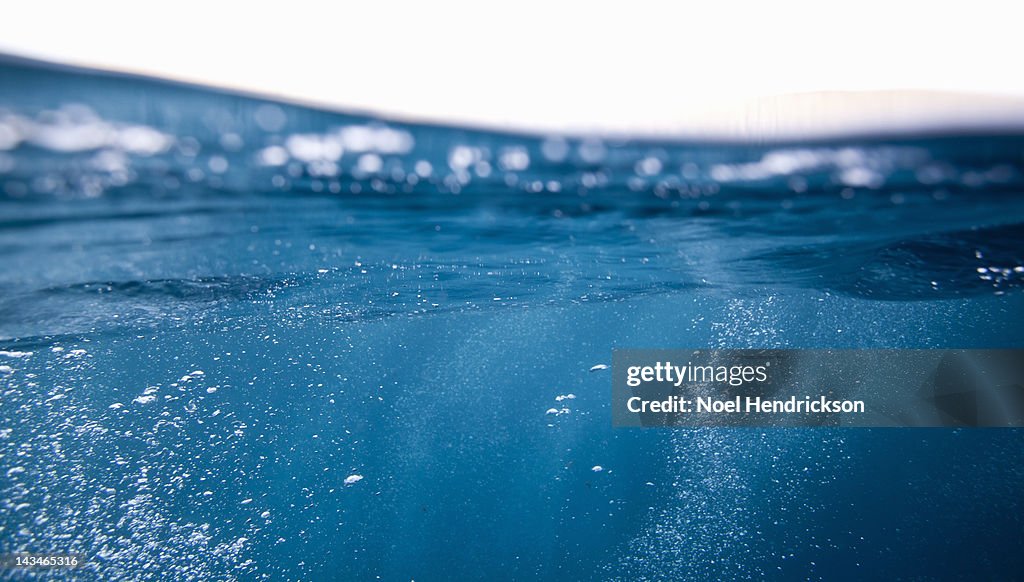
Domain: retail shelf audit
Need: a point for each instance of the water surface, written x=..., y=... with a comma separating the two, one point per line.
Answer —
x=218, y=311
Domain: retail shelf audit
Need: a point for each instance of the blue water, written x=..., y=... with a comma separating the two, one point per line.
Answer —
x=219, y=312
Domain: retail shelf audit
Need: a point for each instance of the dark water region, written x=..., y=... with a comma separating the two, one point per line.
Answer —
x=241, y=338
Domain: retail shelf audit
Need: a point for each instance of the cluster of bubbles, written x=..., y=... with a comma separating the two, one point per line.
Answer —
x=98, y=482
x=1001, y=278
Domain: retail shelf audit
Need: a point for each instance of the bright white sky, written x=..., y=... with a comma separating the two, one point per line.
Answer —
x=636, y=65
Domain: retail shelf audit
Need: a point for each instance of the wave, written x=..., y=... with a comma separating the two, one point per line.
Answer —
x=136, y=198
x=935, y=266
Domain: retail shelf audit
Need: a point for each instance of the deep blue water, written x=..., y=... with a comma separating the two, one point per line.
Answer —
x=216, y=309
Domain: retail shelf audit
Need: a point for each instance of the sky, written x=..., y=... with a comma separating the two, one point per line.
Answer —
x=638, y=65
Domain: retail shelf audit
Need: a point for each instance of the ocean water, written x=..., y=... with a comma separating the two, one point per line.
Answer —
x=242, y=339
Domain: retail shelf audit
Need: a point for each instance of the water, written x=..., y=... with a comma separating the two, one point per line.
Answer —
x=244, y=339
